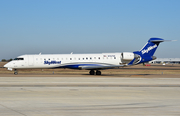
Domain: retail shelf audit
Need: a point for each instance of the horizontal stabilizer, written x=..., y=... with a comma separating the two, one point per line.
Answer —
x=161, y=40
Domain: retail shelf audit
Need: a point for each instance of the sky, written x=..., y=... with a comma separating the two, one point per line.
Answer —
x=87, y=26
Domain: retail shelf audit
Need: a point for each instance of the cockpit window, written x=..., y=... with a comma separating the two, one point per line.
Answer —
x=19, y=59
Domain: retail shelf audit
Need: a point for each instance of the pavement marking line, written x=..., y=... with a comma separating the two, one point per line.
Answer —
x=13, y=110
x=94, y=85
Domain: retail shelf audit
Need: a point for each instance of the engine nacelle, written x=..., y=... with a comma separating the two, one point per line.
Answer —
x=127, y=56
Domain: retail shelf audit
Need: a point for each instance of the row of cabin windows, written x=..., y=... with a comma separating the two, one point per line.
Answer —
x=78, y=58
x=70, y=58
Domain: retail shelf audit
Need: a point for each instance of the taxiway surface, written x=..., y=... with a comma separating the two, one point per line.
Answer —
x=89, y=96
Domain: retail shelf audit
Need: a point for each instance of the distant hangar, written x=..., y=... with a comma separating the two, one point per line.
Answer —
x=166, y=61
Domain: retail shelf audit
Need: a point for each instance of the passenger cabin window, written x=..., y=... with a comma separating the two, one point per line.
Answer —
x=19, y=59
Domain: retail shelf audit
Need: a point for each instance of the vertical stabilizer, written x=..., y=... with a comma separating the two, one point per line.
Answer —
x=151, y=46
x=147, y=52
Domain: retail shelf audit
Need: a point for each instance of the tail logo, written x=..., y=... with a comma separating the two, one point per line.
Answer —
x=148, y=49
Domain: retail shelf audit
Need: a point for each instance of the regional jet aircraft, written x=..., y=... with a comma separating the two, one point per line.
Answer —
x=92, y=62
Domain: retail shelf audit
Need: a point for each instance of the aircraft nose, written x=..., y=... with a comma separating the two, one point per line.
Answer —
x=7, y=65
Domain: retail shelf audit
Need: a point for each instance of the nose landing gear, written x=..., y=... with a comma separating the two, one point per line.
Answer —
x=15, y=71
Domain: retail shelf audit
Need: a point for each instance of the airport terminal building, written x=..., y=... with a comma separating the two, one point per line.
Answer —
x=166, y=61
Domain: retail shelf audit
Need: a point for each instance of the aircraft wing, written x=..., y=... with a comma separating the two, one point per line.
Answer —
x=100, y=67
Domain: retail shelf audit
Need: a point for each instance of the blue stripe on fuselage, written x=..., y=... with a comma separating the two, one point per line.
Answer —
x=76, y=66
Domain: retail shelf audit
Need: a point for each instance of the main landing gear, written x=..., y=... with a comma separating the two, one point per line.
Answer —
x=15, y=71
x=92, y=72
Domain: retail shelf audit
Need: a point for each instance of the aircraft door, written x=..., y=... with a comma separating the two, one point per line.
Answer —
x=31, y=60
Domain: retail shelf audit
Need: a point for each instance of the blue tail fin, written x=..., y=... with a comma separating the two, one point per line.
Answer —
x=150, y=47
x=147, y=52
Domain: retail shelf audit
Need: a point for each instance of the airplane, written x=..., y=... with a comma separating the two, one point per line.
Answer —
x=92, y=62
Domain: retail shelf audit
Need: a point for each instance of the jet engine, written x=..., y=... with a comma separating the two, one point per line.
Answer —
x=127, y=56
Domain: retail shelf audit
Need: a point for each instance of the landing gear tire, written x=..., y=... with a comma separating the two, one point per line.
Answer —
x=15, y=72
x=91, y=72
x=98, y=72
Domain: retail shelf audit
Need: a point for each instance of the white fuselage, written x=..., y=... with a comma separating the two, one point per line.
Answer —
x=64, y=60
